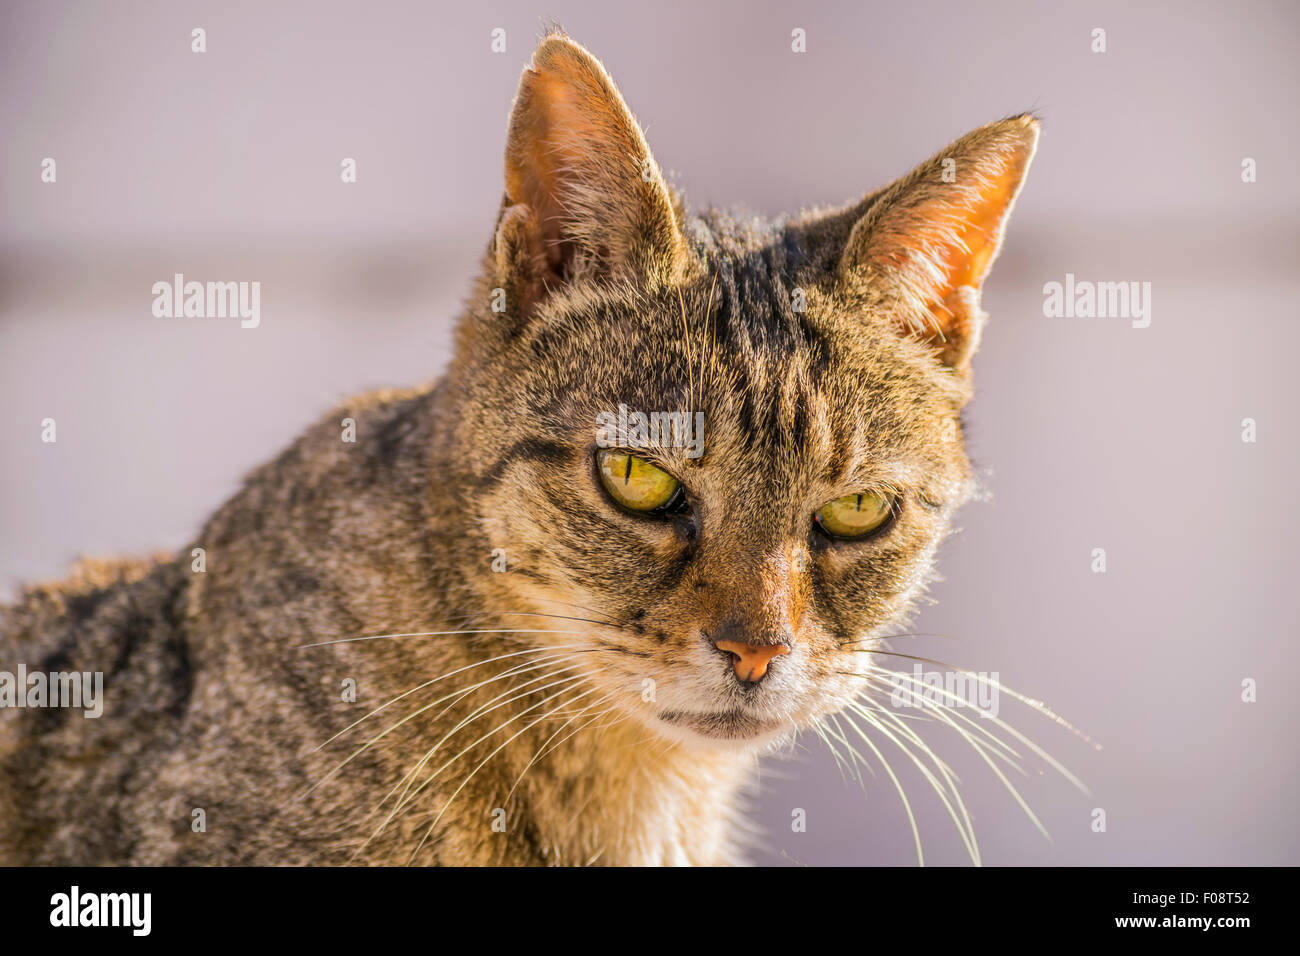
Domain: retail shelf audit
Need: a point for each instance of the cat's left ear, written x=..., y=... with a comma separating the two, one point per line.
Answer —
x=929, y=239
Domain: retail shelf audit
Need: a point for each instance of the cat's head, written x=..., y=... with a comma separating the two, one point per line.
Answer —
x=722, y=584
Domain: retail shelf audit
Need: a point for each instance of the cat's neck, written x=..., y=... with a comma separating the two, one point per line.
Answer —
x=625, y=796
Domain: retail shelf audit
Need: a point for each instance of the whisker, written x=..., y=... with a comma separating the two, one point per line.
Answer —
x=907, y=806
x=1000, y=723
x=482, y=710
x=559, y=683
x=895, y=637
x=439, y=678
x=997, y=771
x=499, y=748
x=821, y=732
x=859, y=762
x=561, y=617
x=459, y=694
x=1036, y=705
x=542, y=751
x=1004, y=750
x=486, y=630
x=408, y=796
x=965, y=827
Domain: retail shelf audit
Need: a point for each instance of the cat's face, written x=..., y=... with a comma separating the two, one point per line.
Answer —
x=797, y=413
x=722, y=573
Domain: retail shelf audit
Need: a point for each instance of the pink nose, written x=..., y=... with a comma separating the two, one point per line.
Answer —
x=751, y=660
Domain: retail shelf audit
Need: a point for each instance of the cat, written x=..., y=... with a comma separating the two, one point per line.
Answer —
x=499, y=628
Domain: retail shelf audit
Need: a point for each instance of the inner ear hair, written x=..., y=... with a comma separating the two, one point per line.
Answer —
x=583, y=195
x=930, y=239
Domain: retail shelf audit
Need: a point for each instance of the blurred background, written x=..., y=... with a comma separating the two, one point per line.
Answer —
x=1089, y=433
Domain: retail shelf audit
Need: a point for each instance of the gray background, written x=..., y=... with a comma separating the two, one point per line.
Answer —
x=1089, y=433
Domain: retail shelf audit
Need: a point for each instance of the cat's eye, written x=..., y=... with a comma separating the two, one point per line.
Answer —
x=855, y=516
x=635, y=483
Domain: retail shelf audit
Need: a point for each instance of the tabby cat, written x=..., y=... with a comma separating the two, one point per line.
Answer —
x=682, y=473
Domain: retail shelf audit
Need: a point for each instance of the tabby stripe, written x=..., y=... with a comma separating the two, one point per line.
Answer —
x=536, y=450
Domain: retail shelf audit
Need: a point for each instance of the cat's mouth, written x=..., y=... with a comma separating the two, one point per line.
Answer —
x=721, y=724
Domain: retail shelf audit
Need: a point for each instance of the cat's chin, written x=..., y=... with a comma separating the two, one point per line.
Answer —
x=720, y=730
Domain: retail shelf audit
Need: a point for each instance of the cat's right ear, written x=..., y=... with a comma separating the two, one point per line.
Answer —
x=584, y=198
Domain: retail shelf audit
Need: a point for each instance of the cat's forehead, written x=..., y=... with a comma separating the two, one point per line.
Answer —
x=752, y=329
x=784, y=388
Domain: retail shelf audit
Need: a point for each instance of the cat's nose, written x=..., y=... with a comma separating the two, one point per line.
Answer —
x=750, y=660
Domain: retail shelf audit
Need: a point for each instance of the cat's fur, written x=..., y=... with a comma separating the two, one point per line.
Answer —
x=830, y=353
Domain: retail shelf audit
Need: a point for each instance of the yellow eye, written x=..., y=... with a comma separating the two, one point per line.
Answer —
x=855, y=515
x=635, y=483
